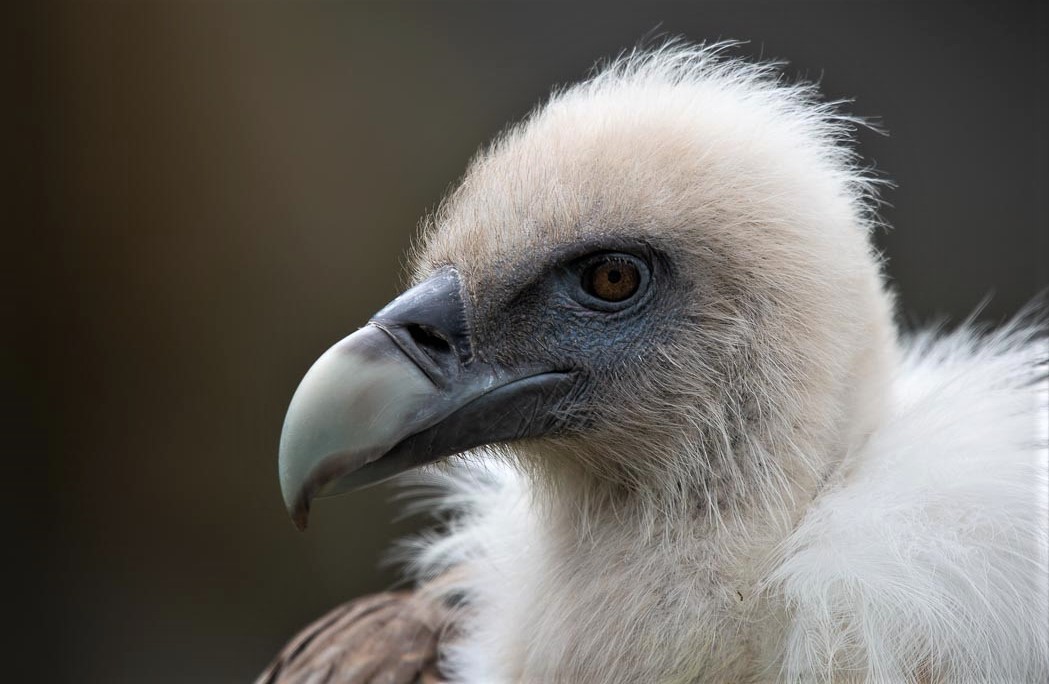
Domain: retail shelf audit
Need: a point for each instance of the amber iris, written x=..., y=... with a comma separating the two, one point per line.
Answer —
x=612, y=280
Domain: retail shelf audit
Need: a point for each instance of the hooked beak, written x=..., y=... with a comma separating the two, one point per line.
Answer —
x=406, y=390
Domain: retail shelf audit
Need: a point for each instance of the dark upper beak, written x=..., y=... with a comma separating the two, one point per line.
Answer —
x=403, y=391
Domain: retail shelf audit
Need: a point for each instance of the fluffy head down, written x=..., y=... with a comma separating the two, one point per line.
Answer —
x=768, y=347
x=765, y=489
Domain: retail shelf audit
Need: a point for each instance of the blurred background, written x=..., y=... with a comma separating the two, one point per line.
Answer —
x=207, y=195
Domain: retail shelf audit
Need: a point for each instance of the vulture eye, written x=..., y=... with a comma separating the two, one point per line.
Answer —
x=612, y=279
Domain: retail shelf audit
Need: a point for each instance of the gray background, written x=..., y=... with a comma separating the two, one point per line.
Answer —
x=206, y=195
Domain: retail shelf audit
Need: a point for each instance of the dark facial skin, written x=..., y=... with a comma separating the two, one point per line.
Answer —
x=544, y=314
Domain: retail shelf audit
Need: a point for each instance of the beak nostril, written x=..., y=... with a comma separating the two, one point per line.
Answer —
x=429, y=341
x=428, y=323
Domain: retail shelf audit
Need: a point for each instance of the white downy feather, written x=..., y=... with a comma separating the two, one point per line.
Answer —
x=916, y=550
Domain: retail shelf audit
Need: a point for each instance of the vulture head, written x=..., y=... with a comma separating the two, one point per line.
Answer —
x=659, y=287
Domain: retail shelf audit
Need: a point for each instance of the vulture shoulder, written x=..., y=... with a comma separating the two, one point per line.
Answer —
x=387, y=638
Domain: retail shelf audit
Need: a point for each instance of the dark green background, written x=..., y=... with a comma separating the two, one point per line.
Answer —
x=206, y=195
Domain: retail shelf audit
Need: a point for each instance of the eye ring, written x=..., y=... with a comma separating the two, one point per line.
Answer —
x=611, y=281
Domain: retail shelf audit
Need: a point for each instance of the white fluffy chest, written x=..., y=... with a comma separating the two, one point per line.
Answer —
x=548, y=605
x=596, y=613
x=928, y=558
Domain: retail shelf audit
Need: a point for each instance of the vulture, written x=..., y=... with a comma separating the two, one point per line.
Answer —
x=649, y=378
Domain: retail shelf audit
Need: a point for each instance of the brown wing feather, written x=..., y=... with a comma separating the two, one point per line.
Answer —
x=389, y=638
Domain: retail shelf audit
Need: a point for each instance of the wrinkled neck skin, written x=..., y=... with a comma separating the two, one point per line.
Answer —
x=679, y=577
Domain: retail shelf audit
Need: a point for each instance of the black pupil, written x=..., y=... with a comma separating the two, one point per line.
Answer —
x=611, y=279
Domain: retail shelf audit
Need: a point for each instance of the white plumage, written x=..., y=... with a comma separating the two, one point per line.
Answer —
x=920, y=555
x=764, y=481
x=922, y=559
